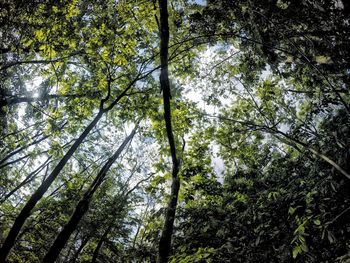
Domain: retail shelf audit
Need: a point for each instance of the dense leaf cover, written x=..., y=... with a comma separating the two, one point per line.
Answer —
x=234, y=115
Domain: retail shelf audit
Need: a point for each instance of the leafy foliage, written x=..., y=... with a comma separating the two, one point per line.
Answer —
x=260, y=114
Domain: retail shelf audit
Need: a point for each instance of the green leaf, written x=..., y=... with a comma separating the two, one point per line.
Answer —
x=296, y=251
x=317, y=222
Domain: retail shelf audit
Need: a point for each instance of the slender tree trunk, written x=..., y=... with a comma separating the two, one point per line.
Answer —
x=166, y=236
x=140, y=225
x=115, y=212
x=81, y=247
x=20, y=159
x=97, y=250
x=100, y=243
x=83, y=206
x=292, y=141
x=35, y=125
x=69, y=228
x=30, y=177
x=66, y=258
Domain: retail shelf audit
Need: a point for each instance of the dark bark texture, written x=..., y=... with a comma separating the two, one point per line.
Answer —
x=166, y=236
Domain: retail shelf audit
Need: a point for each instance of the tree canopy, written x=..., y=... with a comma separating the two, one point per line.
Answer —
x=174, y=131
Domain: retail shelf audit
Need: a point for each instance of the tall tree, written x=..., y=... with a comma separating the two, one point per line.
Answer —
x=165, y=239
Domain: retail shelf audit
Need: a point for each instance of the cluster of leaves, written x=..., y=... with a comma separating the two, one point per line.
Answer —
x=273, y=206
x=264, y=165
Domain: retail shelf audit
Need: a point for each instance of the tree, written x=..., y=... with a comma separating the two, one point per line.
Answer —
x=245, y=104
x=165, y=239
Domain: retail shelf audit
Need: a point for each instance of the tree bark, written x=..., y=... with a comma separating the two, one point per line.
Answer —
x=100, y=243
x=166, y=236
x=81, y=247
x=83, y=206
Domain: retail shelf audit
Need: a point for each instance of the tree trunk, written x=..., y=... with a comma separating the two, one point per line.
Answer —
x=83, y=206
x=97, y=250
x=81, y=247
x=166, y=236
x=100, y=243
x=66, y=258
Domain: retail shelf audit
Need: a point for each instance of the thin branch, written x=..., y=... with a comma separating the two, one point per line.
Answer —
x=40, y=61
x=289, y=140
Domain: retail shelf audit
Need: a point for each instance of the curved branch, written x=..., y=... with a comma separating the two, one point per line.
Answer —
x=287, y=140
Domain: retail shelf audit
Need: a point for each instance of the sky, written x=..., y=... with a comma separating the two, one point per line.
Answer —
x=207, y=58
x=201, y=2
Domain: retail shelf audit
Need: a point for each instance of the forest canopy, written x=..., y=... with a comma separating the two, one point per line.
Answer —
x=174, y=131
